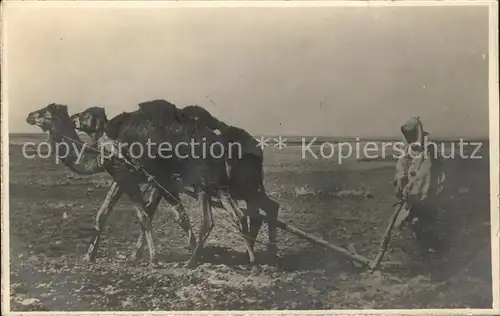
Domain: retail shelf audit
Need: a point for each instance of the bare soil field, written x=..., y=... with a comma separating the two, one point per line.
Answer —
x=51, y=219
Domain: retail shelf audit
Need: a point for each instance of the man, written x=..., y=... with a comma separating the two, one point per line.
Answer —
x=419, y=183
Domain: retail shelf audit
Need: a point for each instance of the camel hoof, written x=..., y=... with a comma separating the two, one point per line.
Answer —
x=135, y=255
x=256, y=270
x=191, y=246
x=272, y=251
x=153, y=265
x=191, y=264
x=89, y=258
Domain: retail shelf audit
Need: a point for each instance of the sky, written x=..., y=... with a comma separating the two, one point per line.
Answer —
x=331, y=71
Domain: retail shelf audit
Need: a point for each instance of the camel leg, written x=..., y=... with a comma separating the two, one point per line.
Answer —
x=112, y=197
x=130, y=186
x=241, y=219
x=206, y=226
x=271, y=208
x=249, y=244
x=181, y=217
x=255, y=223
x=151, y=206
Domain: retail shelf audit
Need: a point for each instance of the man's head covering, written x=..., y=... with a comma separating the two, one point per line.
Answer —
x=413, y=133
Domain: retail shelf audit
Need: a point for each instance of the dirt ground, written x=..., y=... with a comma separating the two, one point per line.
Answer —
x=51, y=219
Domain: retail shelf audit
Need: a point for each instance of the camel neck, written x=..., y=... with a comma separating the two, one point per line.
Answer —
x=73, y=152
x=96, y=135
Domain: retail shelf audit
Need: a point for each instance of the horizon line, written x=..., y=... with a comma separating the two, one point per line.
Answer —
x=361, y=138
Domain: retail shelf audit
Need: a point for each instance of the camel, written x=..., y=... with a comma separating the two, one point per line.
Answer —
x=153, y=124
x=245, y=175
x=92, y=121
x=54, y=118
x=153, y=121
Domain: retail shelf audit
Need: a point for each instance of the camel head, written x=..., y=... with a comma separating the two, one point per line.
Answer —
x=201, y=115
x=91, y=120
x=52, y=118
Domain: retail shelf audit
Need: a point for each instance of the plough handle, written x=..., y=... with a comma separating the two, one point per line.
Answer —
x=387, y=237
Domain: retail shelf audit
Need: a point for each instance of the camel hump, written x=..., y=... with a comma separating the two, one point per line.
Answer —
x=197, y=112
x=200, y=114
x=160, y=111
x=113, y=126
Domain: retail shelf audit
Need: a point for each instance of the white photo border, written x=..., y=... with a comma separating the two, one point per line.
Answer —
x=494, y=140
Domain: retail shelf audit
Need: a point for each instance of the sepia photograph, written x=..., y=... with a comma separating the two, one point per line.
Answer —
x=215, y=156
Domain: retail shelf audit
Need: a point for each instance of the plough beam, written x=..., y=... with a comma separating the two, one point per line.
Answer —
x=354, y=257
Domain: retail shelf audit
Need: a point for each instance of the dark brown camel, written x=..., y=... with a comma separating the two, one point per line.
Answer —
x=245, y=172
x=157, y=123
x=246, y=180
x=139, y=127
